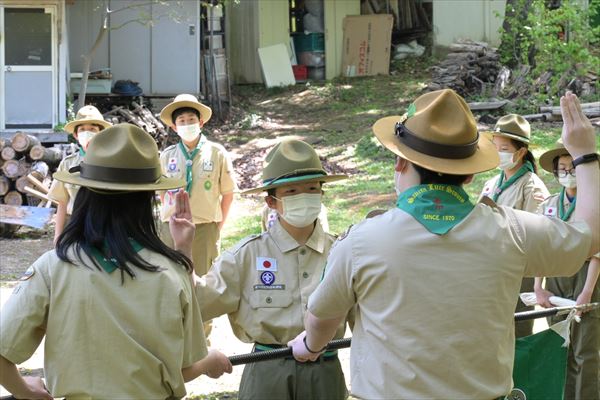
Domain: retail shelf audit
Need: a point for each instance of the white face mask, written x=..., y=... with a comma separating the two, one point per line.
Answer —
x=84, y=138
x=397, y=177
x=188, y=133
x=301, y=210
x=506, y=160
x=570, y=182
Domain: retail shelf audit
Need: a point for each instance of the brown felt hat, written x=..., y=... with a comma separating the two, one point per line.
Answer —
x=513, y=126
x=546, y=159
x=184, y=101
x=121, y=158
x=438, y=133
x=87, y=115
x=292, y=161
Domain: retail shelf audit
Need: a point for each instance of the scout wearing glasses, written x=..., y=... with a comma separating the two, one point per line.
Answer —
x=207, y=169
x=87, y=123
x=431, y=329
x=517, y=185
x=263, y=283
x=583, y=371
x=115, y=304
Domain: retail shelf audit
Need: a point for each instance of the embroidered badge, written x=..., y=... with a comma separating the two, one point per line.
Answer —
x=172, y=165
x=267, y=277
x=28, y=274
x=550, y=211
x=207, y=165
x=207, y=185
x=266, y=264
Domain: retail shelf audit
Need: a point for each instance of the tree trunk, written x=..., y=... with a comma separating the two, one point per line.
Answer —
x=87, y=62
x=516, y=12
x=13, y=198
x=50, y=155
x=23, y=142
x=4, y=185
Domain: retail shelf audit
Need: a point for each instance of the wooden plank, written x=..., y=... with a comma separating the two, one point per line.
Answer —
x=36, y=217
x=487, y=105
x=38, y=194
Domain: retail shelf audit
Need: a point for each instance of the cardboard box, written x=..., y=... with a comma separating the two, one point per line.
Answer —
x=367, y=44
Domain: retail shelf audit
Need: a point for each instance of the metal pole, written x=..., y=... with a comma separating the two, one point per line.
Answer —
x=345, y=342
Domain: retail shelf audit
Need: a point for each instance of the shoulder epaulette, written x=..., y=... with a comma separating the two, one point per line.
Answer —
x=488, y=202
x=238, y=246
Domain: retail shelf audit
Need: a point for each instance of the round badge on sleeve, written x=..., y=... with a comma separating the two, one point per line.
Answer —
x=267, y=278
x=207, y=185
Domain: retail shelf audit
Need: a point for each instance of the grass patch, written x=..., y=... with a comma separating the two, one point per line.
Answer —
x=215, y=396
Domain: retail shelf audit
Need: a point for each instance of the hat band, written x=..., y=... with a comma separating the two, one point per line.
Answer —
x=118, y=175
x=434, y=149
x=525, y=138
x=295, y=178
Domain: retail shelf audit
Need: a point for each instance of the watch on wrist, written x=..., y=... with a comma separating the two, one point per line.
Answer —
x=586, y=158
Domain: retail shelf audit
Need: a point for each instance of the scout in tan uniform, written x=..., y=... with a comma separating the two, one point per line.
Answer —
x=517, y=186
x=263, y=283
x=434, y=308
x=583, y=371
x=86, y=124
x=115, y=304
x=207, y=169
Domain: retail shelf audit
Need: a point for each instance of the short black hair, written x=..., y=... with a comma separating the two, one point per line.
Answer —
x=427, y=176
x=529, y=156
x=555, y=161
x=182, y=110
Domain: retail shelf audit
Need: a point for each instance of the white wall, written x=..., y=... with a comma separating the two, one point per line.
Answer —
x=467, y=19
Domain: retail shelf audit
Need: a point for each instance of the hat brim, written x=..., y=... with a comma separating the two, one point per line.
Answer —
x=485, y=157
x=507, y=135
x=163, y=183
x=70, y=127
x=546, y=159
x=323, y=178
x=167, y=112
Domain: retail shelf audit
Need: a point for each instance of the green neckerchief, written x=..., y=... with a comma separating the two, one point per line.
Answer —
x=501, y=187
x=437, y=207
x=110, y=264
x=189, y=162
x=561, y=206
x=81, y=152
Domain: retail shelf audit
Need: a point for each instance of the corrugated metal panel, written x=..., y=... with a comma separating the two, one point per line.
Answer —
x=467, y=19
x=84, y=19
x=175, y=50
x=242, y=41
x=129, y=45
x=335, y=11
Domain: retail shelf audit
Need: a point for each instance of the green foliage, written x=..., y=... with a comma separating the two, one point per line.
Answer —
x=557, y=40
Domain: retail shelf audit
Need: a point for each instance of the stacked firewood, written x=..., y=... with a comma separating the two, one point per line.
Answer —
x=470, y=68
x=25, y=170
x=141, y=116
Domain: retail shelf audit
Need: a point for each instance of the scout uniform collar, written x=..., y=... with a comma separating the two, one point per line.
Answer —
x=104, y=258
x=189, y=162
x=438, y=207
x=562, y=214
x=502, y=186
x=285, y=242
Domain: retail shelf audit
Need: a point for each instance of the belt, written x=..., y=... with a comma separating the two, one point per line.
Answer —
x=328, y=355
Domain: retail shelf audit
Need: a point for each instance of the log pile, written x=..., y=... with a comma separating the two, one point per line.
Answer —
x=141, y=116
x=22, y=159
x=470, y=68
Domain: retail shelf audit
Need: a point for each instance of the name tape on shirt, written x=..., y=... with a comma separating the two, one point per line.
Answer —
x=266, y=264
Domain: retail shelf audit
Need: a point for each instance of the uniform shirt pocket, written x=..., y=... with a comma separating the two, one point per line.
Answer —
x=271, y=299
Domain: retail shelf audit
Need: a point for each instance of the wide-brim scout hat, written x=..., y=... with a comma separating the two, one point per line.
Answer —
x=438, y=133
x=120, y=158
x=184, y=101
x=292, y=161
x=547, y=159
x=87, y=115
x=513, y=126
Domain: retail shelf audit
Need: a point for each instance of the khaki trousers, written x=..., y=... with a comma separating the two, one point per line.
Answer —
x=205, y=249
x=286, y=379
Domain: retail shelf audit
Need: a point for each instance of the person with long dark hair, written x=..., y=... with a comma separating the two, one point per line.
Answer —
x=114, y=303
x=517, y=185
